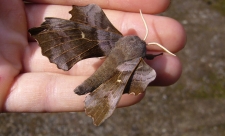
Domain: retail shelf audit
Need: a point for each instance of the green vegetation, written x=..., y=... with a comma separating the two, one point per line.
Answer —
x=218, y=5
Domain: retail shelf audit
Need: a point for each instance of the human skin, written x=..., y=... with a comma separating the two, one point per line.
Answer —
x=30, y=83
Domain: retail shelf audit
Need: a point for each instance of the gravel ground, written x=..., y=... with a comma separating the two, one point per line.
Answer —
x=193, y=106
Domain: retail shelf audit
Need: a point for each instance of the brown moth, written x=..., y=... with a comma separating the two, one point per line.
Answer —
x=88, y=34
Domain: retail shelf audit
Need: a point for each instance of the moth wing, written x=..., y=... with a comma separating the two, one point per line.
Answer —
x=92, y=15
x=101, y=103
x=66, y=42
x=142, y=76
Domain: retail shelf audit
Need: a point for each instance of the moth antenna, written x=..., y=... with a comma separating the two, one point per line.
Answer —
x=166, y=50
x=146, y=27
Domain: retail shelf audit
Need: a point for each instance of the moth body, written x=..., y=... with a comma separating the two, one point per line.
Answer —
x=126, y=48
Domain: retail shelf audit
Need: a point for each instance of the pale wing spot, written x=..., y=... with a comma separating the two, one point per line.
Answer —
x=119, y=81
x=82, y=35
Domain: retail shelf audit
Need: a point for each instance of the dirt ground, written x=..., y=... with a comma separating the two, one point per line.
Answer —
x=194, y=106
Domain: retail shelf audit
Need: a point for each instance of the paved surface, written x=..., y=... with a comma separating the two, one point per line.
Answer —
x=194, y=106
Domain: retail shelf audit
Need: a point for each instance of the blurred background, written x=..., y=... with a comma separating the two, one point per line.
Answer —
x=194, y=106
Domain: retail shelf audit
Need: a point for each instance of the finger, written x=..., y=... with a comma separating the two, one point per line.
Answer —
x=34, y=61
x=13, y=32
x=128, y=23
x=12, y=41
x=50, y=93
x=168, y=69
x=149, y=6
x=163, y=30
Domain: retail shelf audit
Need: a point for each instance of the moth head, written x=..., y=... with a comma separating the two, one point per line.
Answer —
x=132, y=46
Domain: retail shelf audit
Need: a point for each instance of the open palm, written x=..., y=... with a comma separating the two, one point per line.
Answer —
x=30, y=83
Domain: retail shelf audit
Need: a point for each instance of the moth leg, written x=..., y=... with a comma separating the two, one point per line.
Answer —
x=152, y=56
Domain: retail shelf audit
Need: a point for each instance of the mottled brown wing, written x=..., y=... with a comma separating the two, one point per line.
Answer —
x=101, y=103
x=66, y=42
x=142, y=76
x=92, y=15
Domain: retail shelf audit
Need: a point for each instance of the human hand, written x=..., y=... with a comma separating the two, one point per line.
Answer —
x=30, y=83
